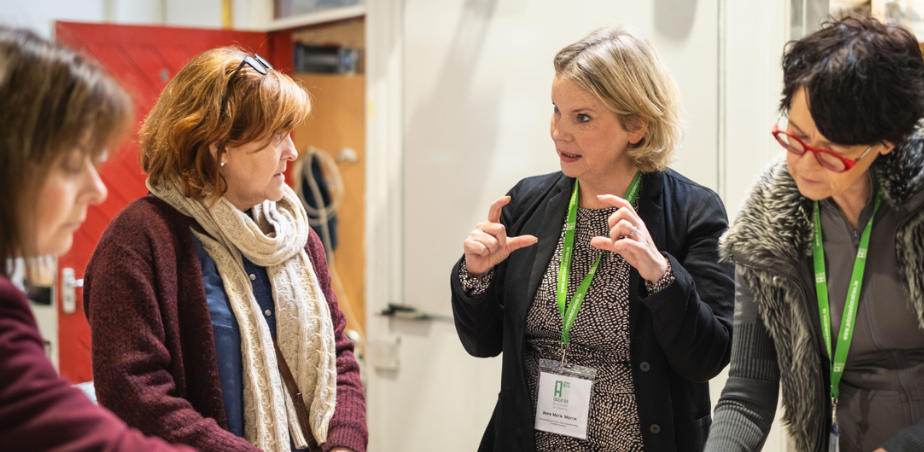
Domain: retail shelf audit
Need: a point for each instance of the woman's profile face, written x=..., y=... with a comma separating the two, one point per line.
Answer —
x=254, y=171
x=72, y=185
x=815, y=181
x=588, y=137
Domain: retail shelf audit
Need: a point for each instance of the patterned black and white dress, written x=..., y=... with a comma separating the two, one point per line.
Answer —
x=599, y=338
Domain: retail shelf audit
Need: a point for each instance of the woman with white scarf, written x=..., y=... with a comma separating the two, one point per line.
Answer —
x=197, y=290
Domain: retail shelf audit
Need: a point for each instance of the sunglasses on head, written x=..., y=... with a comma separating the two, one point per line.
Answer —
x=256, y=62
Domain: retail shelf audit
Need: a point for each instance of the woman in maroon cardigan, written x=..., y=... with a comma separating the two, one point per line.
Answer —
x=191, y=288
x=58, y=115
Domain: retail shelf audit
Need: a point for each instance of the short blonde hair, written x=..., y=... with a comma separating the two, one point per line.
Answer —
x=200, y=107
x=622, y=69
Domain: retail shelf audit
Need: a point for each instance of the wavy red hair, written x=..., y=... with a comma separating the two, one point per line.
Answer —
x=199, y=107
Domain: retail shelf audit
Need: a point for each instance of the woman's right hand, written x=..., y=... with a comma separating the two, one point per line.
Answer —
x=488, y=245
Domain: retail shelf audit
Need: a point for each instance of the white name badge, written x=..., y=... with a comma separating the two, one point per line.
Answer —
x=563, y=404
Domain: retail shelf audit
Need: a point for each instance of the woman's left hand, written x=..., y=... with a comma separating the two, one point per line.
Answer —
x=636, y=246
x=340, y=449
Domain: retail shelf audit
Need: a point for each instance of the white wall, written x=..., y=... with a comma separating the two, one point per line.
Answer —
x=752, y=80
x=751, y=45
x=198, y=13
x=39, y=15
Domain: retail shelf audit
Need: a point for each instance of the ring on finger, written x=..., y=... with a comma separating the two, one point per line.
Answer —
x=634, y=230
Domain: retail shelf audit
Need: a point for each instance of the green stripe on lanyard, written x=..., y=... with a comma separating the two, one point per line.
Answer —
x=853, y=296
x=570, y=314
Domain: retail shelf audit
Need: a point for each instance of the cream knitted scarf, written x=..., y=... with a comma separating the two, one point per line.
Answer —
x=274, y=238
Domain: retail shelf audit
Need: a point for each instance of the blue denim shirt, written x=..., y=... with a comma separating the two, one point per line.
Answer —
x=228, y=334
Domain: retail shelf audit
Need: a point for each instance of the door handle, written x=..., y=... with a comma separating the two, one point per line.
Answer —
x=69, y=284
x=404, y=312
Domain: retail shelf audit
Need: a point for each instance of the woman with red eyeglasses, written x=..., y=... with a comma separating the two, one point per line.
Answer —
x=829, y=254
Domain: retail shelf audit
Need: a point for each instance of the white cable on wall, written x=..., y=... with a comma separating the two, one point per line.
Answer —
x=323, y=213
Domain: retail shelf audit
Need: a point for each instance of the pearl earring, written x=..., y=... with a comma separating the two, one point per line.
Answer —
x=222, y=163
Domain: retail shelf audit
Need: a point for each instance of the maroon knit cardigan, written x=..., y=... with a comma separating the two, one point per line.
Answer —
x=154, y=360
x=39, y=411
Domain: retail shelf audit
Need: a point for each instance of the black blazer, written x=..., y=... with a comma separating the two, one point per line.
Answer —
x=680, y=337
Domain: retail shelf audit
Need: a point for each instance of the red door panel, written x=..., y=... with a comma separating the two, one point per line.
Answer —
x=143, y=59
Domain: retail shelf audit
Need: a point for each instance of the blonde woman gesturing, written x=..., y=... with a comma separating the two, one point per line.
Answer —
x=601, y=283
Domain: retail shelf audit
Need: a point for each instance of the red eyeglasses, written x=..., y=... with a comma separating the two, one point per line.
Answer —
x=826, y=158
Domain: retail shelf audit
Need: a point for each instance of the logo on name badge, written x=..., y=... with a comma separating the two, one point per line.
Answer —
x=560, y=394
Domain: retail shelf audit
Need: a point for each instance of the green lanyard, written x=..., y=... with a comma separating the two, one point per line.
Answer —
x=570, y=314
x=853, y=297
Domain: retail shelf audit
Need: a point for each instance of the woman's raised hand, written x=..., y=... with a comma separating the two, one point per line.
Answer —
x=488, y=245
x=636, y=245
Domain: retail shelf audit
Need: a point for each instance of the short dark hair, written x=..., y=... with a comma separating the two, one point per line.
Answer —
x=52, y=101
x=864, y=80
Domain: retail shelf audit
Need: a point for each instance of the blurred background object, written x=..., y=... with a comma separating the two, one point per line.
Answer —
x=907, y=13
